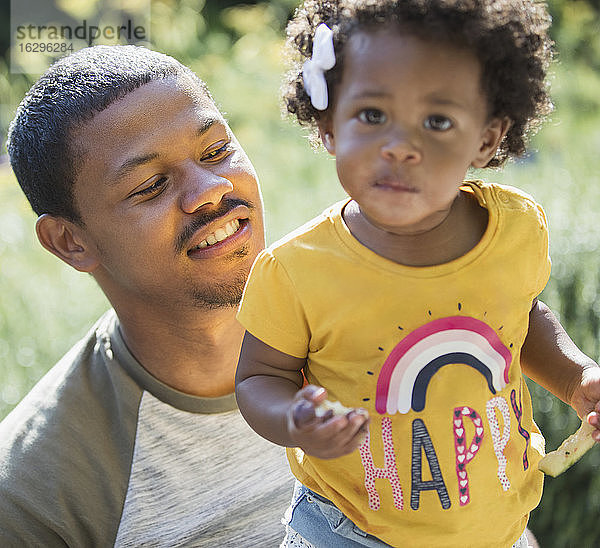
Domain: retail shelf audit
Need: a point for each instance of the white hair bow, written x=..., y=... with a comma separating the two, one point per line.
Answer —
x=313, y=70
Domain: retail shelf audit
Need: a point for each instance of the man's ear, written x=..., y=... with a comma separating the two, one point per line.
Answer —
x=326, y=134
x=64, y=239
x=492, y=137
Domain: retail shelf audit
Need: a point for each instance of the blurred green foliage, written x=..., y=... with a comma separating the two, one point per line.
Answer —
x=236, y=48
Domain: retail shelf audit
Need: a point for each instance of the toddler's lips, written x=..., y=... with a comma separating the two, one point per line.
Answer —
x=395, y=184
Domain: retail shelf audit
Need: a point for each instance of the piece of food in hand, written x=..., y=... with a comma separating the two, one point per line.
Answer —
x=569, y=452
x=336, y=408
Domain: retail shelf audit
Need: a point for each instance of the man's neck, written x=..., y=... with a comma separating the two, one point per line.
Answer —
x=194, y=352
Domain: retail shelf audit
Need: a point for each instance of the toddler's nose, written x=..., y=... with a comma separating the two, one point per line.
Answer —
x=399, y=147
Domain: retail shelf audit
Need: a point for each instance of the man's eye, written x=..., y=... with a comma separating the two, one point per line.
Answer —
x=372, y=116
x=437, y=122
x=152, y=190
x=217, y=153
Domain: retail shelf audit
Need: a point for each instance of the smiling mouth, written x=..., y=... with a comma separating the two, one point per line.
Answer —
x=219, y=235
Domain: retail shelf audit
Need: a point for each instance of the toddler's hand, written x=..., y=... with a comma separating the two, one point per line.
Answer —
x=586, y=399
x=326, y=437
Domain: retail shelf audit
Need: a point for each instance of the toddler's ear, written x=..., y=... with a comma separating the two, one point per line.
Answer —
x=491, y=139
x=326, y=134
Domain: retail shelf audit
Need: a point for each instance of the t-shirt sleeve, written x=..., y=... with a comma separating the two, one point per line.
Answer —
x=543, y=261
x=65, y=452
x=271, y=309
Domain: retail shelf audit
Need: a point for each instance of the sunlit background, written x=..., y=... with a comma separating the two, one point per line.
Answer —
x=236, y=48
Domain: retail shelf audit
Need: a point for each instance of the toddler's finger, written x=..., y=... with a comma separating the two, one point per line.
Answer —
x=593, y=418
x=311, y=393
x=346, y=430
x=303, y=413
x=359, y=423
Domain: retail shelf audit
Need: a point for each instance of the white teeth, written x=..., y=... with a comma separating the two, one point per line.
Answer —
x=230, y=228
x=220, y=234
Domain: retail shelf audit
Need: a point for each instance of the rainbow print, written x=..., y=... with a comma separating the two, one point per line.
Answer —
x=405, y=375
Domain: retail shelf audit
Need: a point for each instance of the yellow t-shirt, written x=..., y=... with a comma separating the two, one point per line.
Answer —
x=433, y=354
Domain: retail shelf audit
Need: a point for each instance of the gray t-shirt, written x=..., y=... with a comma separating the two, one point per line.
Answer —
x=100, y=453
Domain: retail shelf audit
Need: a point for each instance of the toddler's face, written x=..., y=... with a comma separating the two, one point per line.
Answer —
x=409, y=119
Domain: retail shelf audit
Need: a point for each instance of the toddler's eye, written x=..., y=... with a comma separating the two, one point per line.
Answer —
x=372, y=116
x=437, y=122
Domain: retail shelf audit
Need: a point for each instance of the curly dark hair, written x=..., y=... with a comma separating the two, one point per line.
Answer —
x=509, y=37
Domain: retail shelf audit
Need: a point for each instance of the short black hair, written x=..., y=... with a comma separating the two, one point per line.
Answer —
x=509, y=37
x=67, y=95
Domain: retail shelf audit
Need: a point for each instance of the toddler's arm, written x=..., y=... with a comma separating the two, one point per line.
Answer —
x=271, y=398
x=550, y=358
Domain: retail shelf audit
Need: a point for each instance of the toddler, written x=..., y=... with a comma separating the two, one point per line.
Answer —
x=415, y=299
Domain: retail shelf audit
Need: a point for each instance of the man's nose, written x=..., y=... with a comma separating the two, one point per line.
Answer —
x=400, y=146
x=202, y=186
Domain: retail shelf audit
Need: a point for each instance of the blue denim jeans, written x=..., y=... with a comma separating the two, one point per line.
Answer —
x=320, y=522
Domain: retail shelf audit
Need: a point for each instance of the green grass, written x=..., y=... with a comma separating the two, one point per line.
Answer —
x=46, y=306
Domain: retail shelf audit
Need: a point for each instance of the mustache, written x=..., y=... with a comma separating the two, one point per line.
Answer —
x=203, y=218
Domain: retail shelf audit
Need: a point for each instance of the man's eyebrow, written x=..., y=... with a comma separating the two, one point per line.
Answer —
x=206, y=124
x=132, y=163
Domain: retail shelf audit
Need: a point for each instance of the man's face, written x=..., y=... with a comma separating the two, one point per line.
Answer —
x=169, y=200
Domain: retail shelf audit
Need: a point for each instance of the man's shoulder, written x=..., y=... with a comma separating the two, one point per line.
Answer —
x=83, y=378
x=71, y=432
